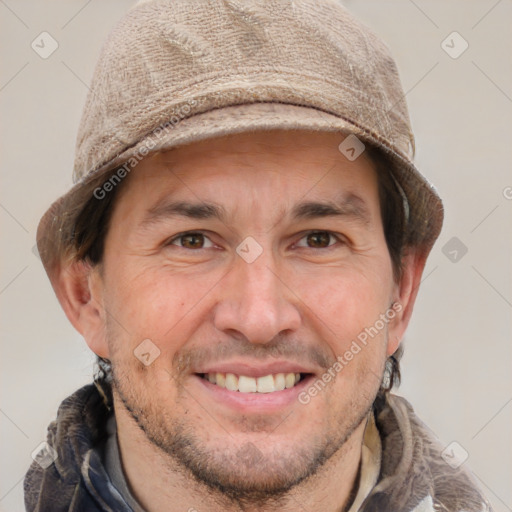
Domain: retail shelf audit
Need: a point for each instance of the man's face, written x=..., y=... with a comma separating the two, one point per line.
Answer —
x=288, y=300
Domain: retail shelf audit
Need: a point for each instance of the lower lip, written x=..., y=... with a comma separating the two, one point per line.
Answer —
x=253, y=402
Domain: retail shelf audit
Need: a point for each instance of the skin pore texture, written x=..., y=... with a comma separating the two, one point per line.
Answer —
x=171, y=274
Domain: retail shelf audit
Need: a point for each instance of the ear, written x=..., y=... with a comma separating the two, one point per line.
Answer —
x=413, y=263
x=79, y=288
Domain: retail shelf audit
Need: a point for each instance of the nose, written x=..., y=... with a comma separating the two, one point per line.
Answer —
x=256, y=303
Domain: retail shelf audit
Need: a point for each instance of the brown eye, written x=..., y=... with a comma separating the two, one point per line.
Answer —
x=319, y=239
x=192, y=241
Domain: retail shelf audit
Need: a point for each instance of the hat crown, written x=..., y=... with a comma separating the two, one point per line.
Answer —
x=185, y=57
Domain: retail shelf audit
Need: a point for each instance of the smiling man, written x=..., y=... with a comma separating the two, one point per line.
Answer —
x=242, y=251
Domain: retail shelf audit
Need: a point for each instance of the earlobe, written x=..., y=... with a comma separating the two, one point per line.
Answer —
x=78, y=288
x=413, y=263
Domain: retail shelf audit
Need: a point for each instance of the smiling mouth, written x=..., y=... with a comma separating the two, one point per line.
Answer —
x=244, y=384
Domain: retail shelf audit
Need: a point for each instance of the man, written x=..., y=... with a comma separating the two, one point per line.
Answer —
x=242, y=250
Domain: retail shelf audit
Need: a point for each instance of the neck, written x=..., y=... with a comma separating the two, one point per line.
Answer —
x=158, y=483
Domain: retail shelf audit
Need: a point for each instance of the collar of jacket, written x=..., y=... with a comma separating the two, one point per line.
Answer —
x=77, y=480
x=413, y=478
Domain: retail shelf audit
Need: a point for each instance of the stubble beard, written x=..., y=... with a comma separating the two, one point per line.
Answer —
x=244, y=475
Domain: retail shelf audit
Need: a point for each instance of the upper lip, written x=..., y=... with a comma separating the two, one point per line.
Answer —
x=255, y=369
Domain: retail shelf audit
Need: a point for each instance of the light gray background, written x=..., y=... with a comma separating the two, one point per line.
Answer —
x=456, y=369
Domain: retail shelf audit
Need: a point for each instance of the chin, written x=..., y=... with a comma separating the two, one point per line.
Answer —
x=246, y=468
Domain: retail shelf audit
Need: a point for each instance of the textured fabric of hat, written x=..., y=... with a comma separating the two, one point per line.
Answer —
x=176, y=72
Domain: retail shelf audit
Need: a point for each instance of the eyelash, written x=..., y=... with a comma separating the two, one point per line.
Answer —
x=312, y=232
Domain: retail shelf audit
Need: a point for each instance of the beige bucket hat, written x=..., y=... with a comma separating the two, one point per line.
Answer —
x=176, y=72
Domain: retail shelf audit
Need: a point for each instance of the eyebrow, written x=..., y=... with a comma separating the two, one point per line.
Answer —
x=166, y=209
x=349, y=206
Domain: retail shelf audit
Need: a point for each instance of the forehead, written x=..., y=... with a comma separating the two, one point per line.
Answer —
x=253, y=168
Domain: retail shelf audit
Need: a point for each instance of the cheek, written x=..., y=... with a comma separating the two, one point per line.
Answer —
x=345, y=301
x=154, y=301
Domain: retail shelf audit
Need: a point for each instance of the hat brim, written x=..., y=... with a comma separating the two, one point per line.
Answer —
x=425, y=206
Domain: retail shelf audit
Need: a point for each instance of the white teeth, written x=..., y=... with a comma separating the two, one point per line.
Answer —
x=221, y=380
x=289, y=380
x=245, y=384
x=279, y=382
x=265, y=384
x=231, y=382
